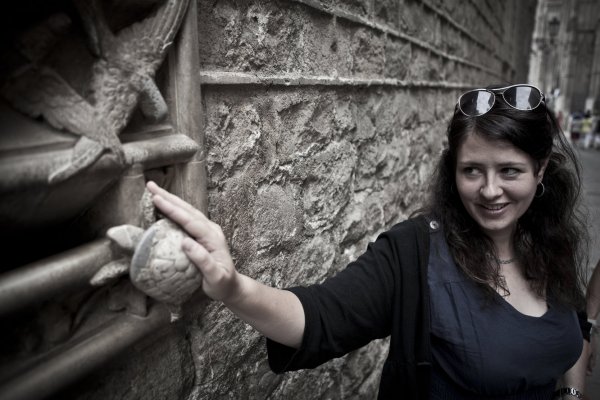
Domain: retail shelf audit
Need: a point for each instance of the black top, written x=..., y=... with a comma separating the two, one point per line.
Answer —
x=490, y=348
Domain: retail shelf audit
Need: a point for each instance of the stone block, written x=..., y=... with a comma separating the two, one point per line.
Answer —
x=463, y=73
x=398, y=54
x=420, y=22
x=276, y=217
x=385, y=12
x=424, y=65
x=410, y=16
x=361, y=50
x=453, y=41
x=327, y=189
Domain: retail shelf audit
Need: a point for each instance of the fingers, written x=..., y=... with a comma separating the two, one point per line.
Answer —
x=171, y=198
x=216, y=282
x=189, y=218
x=173, y=206
x=199, y=256
x=196, y=227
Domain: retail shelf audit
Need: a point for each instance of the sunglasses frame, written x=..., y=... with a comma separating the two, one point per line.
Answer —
x=501, y=92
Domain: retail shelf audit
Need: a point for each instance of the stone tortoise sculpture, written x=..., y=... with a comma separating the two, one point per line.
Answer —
x=155, y=262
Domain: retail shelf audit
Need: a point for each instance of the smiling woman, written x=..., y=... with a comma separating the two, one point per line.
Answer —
x=506, y=192
x=511, y=175
x=478, y=293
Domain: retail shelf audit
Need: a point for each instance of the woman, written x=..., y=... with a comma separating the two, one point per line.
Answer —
x=477, y=293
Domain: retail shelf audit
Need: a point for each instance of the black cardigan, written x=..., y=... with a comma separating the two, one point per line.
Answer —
x=342, y=314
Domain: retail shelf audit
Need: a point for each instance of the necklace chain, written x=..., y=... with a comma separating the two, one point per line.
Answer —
x=501, y=261
x=508, y=261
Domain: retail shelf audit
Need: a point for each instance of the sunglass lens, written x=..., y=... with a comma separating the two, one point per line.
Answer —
x=523, y=97
x=476, y=102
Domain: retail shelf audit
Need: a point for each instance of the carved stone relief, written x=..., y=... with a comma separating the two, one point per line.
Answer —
x=121, y=73
x=82, y=93
x=76, y=76
x=155, y=263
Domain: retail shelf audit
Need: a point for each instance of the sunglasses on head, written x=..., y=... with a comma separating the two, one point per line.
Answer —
x=477, y=102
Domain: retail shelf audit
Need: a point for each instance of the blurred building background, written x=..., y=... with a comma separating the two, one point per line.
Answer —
x=565, y=57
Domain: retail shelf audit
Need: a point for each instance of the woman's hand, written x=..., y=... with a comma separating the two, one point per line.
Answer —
x=207, y=247
x=277, y=314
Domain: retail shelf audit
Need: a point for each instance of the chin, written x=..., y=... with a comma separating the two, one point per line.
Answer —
x=495, y=227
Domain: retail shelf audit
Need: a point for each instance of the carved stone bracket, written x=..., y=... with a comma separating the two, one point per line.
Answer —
x=120, y=76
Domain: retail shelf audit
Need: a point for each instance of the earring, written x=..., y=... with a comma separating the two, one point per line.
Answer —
x=538, y=195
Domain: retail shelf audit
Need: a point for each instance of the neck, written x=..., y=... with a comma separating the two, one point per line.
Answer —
x=504, y=245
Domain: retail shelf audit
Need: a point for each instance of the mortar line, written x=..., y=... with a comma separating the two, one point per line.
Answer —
x=241, y=78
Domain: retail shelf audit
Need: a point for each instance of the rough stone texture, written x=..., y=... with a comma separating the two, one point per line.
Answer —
x=303, y=176
x=268, y=37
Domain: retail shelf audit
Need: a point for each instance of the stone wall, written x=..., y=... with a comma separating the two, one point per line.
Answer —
x=323, y=120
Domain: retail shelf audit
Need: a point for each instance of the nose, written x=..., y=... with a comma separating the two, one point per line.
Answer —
x=490, y=189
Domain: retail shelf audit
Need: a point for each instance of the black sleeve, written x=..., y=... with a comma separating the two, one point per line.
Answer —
x=346, y=311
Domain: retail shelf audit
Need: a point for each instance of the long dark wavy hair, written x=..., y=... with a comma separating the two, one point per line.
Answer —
x=551, y=237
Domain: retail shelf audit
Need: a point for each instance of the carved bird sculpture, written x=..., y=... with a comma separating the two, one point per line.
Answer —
x=122, y=76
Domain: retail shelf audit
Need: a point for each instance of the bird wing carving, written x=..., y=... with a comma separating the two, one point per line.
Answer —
x=146, y=42
x=39, y=91
x=122, y=74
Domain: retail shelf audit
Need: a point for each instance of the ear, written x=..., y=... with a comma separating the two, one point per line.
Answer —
x=544, y=164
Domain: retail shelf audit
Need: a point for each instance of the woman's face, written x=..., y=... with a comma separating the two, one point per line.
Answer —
x=496, y=183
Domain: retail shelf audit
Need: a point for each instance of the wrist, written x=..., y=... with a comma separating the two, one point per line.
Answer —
x=238, y=290
x=568, y=393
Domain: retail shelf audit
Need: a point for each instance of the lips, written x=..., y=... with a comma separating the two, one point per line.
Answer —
x=494, y=207
x=493, y=210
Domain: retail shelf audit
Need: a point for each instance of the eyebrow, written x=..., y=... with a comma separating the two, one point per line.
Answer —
x=501, y=165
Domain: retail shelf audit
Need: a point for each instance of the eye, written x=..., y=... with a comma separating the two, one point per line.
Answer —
x=471, y=171
x=511, y=172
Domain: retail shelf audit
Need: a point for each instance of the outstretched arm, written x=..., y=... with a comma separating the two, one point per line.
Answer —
x=275, y=313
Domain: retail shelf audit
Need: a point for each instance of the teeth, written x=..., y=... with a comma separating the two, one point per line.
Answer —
x=494, y=206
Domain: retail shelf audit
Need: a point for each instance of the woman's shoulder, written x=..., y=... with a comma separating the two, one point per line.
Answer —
x=419, y=222
x=416, y=226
